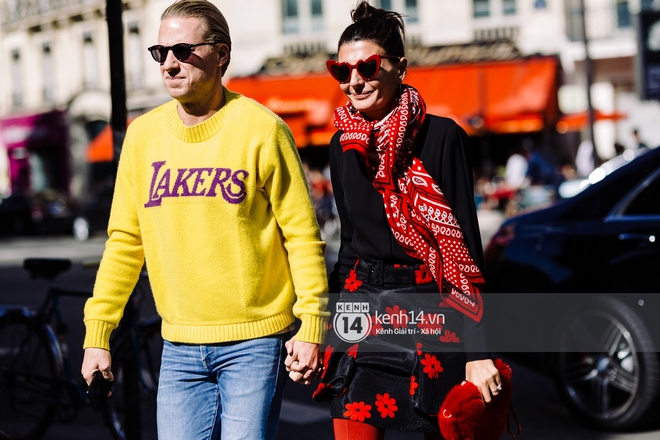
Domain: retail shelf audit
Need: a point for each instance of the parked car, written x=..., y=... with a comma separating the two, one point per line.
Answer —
x=571, y=188
x=93, y=216
x=575, y=286
x=43, y=213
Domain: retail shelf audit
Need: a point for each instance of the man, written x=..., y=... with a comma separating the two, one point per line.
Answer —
x=210, y=192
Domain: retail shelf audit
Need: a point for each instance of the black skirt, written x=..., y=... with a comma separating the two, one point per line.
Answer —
x=398, y=376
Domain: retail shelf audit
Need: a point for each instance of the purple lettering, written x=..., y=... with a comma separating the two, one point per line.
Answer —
x=182, y=182
x=229, y=195
x=190, y=182
x=221, y=174
x=154, y=201
x=199, y=180
x=239, y=183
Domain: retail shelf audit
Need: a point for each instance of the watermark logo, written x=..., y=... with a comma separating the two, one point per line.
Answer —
x=351, y=322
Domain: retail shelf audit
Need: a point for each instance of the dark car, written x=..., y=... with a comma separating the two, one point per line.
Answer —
x=574, y=291
x=43, y=213
x=93, y=216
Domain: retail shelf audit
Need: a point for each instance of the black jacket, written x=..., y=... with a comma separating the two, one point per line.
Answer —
x=443, y=149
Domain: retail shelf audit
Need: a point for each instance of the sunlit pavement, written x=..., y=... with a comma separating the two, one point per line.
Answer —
x=14, y=249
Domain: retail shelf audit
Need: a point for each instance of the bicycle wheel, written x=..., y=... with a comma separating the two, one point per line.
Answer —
x=141, y=417
x=27, y=367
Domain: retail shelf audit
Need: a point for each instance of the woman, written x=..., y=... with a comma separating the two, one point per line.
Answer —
x=401, y=238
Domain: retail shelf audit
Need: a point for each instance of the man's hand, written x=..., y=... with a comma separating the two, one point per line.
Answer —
x=96, y=359
x=302, y=361
x=485, y=375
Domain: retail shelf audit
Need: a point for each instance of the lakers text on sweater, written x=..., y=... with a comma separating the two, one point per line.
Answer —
x=196, y=182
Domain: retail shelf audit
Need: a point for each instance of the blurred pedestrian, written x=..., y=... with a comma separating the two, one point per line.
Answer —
x=619, y=148
x=403, y=187
x=584, y=160
x=638, y=139
x=210, y=192
x=515, y=173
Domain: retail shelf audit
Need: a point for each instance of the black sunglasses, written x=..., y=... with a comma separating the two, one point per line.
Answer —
x=181, y=51
x=367, y=69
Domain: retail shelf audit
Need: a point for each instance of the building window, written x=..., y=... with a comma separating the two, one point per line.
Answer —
x=385, y=4
x=623, y=17
x=48, y=73
x=508, y=7
x=412, y=14
x=647, y=5
x=17, y=79
x=317, y=15
x=90, y=62
x=481, y=8
x=408, y=8
x=290, y=22
x=135, y=57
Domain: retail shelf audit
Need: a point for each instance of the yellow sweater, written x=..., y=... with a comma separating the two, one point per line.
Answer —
x=221, y=212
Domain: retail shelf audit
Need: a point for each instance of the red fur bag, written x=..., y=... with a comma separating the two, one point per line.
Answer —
x=463, y=415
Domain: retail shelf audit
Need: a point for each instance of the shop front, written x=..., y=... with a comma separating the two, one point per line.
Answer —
x=37, y=150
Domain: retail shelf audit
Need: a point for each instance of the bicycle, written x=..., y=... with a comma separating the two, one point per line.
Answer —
x=36, y=379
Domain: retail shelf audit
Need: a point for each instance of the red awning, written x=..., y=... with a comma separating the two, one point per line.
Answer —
x=100, y=148
x=515, y=96
x=305, y=102
x=579, y=121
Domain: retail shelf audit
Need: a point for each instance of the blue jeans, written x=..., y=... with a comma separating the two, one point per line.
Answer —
x=231, y=390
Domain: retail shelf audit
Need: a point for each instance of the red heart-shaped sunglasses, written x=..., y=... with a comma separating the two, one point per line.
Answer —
x=367, y=69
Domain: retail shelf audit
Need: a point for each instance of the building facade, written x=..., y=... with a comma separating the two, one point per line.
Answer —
x=55, y=53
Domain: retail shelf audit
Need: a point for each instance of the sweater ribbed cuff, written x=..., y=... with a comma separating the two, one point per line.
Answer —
x=312, y=329
x=98, y=334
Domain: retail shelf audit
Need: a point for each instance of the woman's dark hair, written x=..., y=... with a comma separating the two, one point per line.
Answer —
x=383, y=27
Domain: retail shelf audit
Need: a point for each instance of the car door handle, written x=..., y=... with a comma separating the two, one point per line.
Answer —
x=633, y=236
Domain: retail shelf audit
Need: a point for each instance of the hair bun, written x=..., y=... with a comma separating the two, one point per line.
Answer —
x=364, y=10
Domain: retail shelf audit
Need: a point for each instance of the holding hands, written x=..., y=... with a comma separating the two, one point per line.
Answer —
x=302, y=361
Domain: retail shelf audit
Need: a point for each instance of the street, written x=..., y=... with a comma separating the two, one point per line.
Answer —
x=536, y=402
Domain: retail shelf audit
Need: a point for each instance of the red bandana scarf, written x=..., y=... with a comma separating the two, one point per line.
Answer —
x=417, y=210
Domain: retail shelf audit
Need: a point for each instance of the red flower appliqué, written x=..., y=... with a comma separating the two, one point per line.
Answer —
x=419, y=349
x=398, y=316
x=352, y=283
x=327, y=352
x=353, y=350
x=357, y=411
x=386, y=405
x=432, y=366
x=320, y=389
x=449, y=336
x=413, y=385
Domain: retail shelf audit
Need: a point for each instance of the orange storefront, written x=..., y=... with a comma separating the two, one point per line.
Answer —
x=488, y=99
x=515, y=96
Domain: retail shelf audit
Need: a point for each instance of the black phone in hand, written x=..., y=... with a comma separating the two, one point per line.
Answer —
x=97, y=391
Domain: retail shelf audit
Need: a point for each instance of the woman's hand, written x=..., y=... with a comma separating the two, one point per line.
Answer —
x=485, y=376
x=302, y=361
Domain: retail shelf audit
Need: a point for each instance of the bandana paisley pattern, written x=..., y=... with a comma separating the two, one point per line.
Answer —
x=417, y=210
